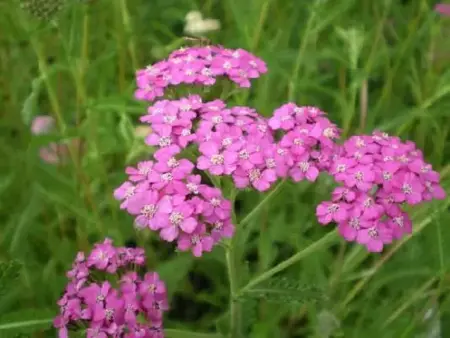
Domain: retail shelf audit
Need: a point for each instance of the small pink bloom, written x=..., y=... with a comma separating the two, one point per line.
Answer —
x=222, y=229
x=215, y=204
x=216, y=161
x=328, y=212
x=361, y=177
x=409, y=189
x=400, y=224
x=42, y=124
x=140, y=173
x=368, y=208
x=179, y=218
x=375, y=237
x=198, y=241
x=304, y=168
x=443, y=9
x=350, y=228
x=344, y=194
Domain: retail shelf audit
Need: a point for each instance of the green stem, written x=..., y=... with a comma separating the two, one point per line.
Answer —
x=235, y=315
x=230, y=255
x=258, y=208
x=25, y=323
x=325, y=240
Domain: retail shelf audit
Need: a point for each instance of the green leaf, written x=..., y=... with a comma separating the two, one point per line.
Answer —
x=173, y=333
x=25, y=223
x=30, y=103
x=284, y=290
x=9, y=273
x=174, y=270
x=25, y=321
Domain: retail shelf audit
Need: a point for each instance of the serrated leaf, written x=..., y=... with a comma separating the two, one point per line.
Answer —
x=285, y=291
x=42, y=9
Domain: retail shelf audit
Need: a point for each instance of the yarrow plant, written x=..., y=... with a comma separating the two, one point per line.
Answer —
x=204, y=152
x=131, y=306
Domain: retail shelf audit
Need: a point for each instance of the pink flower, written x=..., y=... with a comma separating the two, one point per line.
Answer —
x=250, y=156
x=375, y=237
x=261, y=180
x=409, y=189
x=361, y=177
x=215, y=204
x=42, y=124
x=179, y=218
x=344, y=194
x=304, y=168
x=277, y=160
x=198, y=241
x=152, y=287
x=216, y=161
x=283, y=118
x=146, y=205
x=386, y=174
x=102, y=255
x=368, y=207
x=222, y=229
x=163, y=138
x=223, y=65
x=140, y=173
x=341, y=167
x=443, y=9
x=167, y=162
x=106, y=311
x=328, y=212
x=350, y=228
x=124, y=192
x=400, y=224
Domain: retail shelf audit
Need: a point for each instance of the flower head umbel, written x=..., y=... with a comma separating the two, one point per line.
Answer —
x=308, y=139
x=108, y=311
x=198, y=66
x=380, y=174
x=174, y=202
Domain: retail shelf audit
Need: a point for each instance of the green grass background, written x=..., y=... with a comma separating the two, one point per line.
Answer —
x=370, y=64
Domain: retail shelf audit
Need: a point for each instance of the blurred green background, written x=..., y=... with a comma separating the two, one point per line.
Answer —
x=370, y=64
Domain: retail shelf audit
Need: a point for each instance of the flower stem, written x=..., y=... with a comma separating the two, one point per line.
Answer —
x=263, y=202
x=235, y=315
x=230, y=254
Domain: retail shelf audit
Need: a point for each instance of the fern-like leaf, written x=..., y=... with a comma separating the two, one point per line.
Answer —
x=42, y=9
x=284, y=290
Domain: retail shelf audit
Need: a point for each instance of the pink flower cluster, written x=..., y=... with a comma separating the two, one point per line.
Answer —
x=379, y=174
x=239, y=142
x=166, y=196
x=199, y=66
x=443, y=9
x=309, y=140
x=132, y=309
